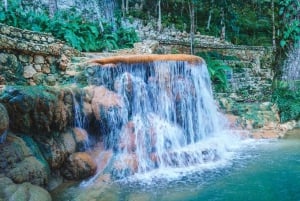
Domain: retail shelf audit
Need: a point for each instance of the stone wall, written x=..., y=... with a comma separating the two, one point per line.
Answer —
x=251, y=76
x=31, y=58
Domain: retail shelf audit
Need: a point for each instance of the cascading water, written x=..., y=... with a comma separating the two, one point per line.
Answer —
x=5, y=4
x=80, y=120
x=291, y=71
x=167, y=117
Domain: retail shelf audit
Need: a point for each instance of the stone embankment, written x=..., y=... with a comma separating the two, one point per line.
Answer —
x=31, y=58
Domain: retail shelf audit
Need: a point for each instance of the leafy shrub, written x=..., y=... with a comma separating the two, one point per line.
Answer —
x=290, y=23
x=217, y=70
x=288, y=103
x=126, y=37
x=69, y=26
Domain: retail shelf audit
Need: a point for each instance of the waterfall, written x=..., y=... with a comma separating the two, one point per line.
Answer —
x=80, y=120
x=291, y=72
x=167, y=117
x=5, y=4
x=3, y=137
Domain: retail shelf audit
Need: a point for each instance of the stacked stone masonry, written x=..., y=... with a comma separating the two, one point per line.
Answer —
x=28, y=57
x=251, y=76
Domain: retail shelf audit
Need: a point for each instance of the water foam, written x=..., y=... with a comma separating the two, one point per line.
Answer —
x=170, y=122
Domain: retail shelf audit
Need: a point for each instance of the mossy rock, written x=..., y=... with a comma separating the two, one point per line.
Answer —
x=22, y=162
x=38, y=110
x=21, y=192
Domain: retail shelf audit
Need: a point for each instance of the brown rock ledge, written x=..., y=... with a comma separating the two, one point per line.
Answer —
x=147, y=58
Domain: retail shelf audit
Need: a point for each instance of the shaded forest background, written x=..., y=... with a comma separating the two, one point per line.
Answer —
x=249, y=22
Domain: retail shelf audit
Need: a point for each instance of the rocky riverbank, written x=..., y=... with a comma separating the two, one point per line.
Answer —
x=54, y=110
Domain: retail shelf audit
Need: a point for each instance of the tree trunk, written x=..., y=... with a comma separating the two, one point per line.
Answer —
x=192, y=28
x=223, y=26
x=209, y=16
x=127, y=6
x=159, y=16
x=123, y=8
x=142, y=4
x=52, y=7
x=5, y=4
x=273, y=24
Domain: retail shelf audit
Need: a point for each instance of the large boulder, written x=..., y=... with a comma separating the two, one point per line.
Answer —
x=108, y=109
x=57, y=148
x=82, y=138
x=21, y=161
x=4, y=122
x=38, y=110
x=21, y=192
x=79, y=166
x=104, y=101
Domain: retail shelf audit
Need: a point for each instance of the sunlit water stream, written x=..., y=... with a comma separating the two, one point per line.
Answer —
x=261, y=170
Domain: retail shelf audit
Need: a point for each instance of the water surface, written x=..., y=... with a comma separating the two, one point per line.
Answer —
x=261, y=171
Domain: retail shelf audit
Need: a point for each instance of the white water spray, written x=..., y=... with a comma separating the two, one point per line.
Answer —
x=169, y=117
x=5, y=4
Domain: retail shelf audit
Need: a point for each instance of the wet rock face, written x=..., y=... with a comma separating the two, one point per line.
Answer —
x=38, y=110
x=82, y=139
x=78, y=166
x=21, y=161
x=107, y=108
x=21, y=192
x=56, y=149
x=103, y=100
x=4, y=122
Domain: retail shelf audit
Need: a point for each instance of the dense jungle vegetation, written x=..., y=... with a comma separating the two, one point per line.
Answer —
x=250, y=22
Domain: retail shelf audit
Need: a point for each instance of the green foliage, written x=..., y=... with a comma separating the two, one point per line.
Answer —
x=69, y=26
x=217, y=70
x=126, y=37
x=290, y=24
x=288, y=103
x=247, y=22
x=76, y=31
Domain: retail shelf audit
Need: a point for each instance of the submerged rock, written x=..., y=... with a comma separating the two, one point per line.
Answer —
x=78, y=166
x=21, y=192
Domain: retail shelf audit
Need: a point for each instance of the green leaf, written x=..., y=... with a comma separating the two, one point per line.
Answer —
x=282, y=43
x=2, y=16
